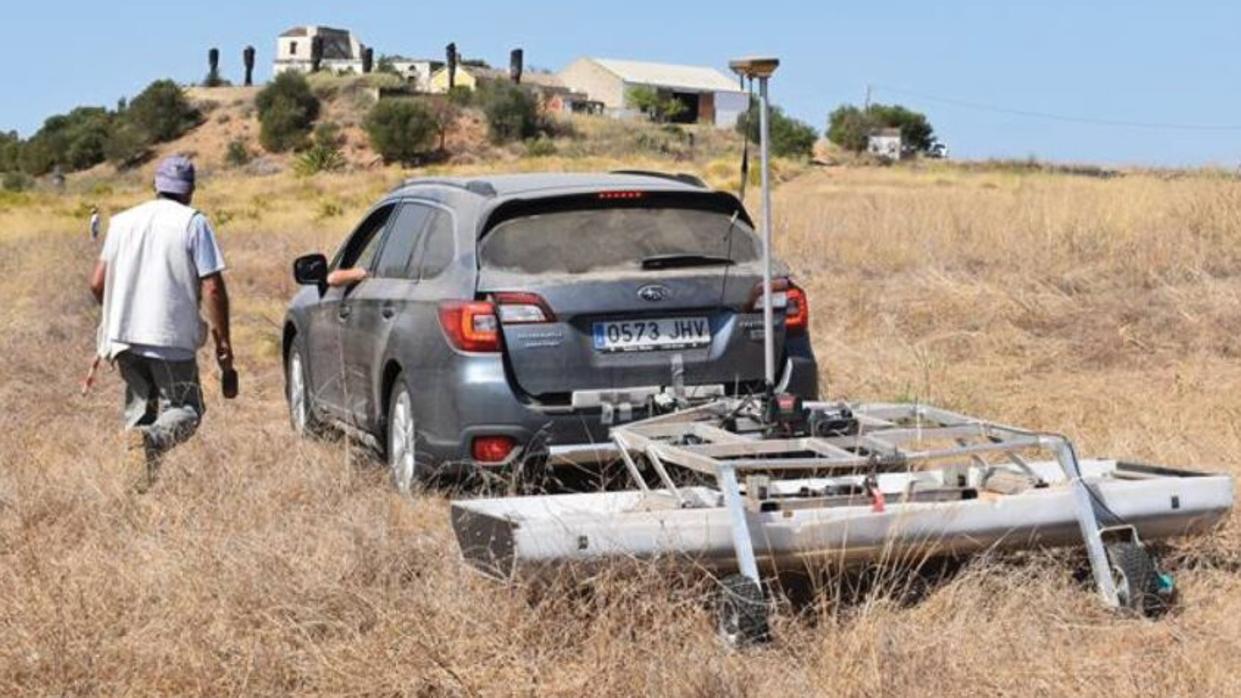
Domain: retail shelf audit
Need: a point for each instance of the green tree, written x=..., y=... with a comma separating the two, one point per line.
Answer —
x=162, y=112
x=75, y=141
x=287, y=108
x=10, y=148
x=658, y=106
x=401, y=130
x=790, y=138
x=127, y=144
x=850, y=127
x=512, y=112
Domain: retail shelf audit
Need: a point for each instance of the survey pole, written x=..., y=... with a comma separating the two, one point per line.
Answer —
x=761, y=69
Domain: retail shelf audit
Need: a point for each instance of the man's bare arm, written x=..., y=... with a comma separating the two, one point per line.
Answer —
x=97, y=279
x=215, y=298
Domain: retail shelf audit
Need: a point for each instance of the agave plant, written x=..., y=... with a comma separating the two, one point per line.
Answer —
x=318, y=158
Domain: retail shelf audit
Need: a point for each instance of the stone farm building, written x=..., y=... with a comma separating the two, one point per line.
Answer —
x=342, y=51
x=710, y=96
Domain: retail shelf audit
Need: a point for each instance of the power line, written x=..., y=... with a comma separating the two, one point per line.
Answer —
x=1154, y=125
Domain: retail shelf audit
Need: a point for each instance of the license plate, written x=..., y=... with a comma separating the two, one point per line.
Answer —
x=652, y=335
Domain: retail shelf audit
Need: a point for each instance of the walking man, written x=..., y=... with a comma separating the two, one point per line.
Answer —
x=94, y=223
x=160, y=261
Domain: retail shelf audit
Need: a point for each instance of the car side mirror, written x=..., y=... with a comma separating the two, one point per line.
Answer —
x=311, y=270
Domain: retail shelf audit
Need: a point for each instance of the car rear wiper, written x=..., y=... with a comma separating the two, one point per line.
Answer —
x=673, y=261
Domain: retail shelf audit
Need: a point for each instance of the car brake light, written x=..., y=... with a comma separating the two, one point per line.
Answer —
x=797, y=314
x=786, y=296
x=470, y=325
x=620, y=195
x=779, y=295
x=492, y=449
x=522, y=308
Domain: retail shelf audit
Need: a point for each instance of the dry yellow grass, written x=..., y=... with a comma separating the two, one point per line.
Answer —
x=264, y=565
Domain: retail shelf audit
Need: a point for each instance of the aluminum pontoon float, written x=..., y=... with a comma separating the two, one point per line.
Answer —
x=737, y=485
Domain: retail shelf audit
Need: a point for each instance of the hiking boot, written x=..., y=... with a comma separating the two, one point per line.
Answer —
x=140, y=460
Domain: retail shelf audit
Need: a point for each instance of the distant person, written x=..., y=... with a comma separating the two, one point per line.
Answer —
x=159, y=260
x=94, y=223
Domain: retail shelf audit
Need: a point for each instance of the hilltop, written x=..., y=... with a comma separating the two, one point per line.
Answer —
x=229, y=115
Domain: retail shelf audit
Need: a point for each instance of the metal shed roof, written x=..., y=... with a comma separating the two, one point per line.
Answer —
x=686, y=77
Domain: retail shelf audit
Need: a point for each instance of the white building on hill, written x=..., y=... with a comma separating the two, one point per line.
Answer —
x=709, y=95
x=342, y=51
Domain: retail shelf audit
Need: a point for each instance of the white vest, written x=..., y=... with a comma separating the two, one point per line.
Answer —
x=151, y=290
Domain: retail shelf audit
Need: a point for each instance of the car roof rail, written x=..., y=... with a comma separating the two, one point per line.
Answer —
x=476, y=186
x=682, y=177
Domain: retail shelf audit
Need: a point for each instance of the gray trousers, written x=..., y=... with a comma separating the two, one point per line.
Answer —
x=164, y=399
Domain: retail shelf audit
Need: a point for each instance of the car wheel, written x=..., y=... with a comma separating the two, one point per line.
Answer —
x=402, y=438
x=301, y=413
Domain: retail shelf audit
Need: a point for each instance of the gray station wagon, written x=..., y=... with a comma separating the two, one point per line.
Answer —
x=517, y=317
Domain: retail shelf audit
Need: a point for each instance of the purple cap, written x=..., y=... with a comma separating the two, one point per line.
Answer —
x=175, y=175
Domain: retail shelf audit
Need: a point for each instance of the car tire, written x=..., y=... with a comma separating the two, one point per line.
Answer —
x=401, y=440
x=297, y=392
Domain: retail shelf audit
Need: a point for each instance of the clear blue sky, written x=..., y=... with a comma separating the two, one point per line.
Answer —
x=1137, y=61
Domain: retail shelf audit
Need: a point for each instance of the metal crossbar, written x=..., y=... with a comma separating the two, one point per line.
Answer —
x=890, y=437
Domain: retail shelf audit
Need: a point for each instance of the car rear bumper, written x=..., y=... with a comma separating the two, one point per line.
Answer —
x=477, y=400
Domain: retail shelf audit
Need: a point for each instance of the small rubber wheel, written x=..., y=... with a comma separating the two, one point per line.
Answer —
x=1137, y=579
x=741, y=612
x=301, y=412
x=402, y=446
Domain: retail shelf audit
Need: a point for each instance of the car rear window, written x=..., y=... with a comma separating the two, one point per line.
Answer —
x=587, y=234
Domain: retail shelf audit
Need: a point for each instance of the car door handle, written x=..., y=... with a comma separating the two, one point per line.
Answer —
x=344, y=312
x=388, y=310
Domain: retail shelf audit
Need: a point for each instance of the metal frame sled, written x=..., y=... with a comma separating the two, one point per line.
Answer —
x=735, y=489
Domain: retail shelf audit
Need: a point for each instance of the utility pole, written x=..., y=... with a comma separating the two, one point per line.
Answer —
x=866, y=103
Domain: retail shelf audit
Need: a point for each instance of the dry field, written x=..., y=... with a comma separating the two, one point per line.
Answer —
x=261, y=565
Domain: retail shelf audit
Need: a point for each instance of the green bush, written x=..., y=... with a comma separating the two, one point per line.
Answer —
x=790, y=138
x=401, y=130
x=162, y=112
x=512, y=113
x=127, y=145
x=16, y=182
x=214, y=79
x=287, y=109
x=462, y=96
x=540, y=147
x=237, y=155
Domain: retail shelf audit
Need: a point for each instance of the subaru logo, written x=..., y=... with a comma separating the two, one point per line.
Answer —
x=654, y=293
